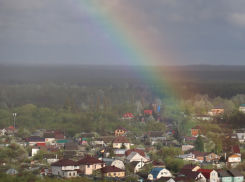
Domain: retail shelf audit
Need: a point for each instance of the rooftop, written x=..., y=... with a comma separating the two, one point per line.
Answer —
x=65, y=162
x=90, y=160
x=120, y=139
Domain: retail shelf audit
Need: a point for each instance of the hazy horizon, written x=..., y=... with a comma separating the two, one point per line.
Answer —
x=167, y=32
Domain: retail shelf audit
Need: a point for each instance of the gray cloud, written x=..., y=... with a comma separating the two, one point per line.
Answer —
x=69, y=32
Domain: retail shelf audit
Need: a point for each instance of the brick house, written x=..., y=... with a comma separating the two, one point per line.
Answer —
x=120, y=131
x=196, y=130
x=210, y=157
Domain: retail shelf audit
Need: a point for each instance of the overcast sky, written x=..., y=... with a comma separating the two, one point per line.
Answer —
x=68, y=32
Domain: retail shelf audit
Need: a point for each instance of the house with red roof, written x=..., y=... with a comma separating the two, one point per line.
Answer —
x=210, y=174
x=59, y=136
x=112, y=171
x=65, y=168
x=191, y=176
x=88, y=164
x=118, y=141
x=128, y=116
x=189, y=167
x=45, y=171
x=148, y=112
x=120, y=131
x=235, y=149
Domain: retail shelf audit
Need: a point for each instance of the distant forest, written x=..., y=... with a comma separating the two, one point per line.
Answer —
x=49, y=86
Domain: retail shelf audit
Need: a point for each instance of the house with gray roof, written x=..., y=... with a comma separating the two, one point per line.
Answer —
x=71, y=146
x=11, y=171
x=113, y=162
x=155, y=136
x=134, y=156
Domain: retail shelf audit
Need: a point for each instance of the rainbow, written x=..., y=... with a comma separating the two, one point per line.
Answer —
x=133, y=40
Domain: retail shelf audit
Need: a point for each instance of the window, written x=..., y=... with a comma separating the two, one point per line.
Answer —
x=58, y=173
x=74, y=174
x=161, y=172
x=194, y=130
x=115, y=174
x=216, y=156
x=118, y=173
x=69, y=174
x=165, y=172
x=88, y=165
x=117, y=130
x=213, y=180
x=210, y=156
x=101, y=165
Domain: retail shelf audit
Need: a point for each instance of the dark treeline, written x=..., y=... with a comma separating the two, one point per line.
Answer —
x=48, y=86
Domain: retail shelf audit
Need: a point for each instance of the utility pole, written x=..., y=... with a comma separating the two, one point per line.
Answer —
x=14, y=114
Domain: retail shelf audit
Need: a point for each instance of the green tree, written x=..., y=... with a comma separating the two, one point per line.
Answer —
x=132, y=99
x=91, y=104
x=105, y=104
x=111, y=151
x=154, y=126
x=143, y=102
x=108, y=102
x=98, y=104
x=123, y=146
x=39, y=155
x=67, y=104
x=177, y=134
x=199, y=144
x=73, y=105
x=23, y=133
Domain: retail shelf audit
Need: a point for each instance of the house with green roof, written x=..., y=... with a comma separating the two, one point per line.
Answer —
x=242, y=108
x=158, y=172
